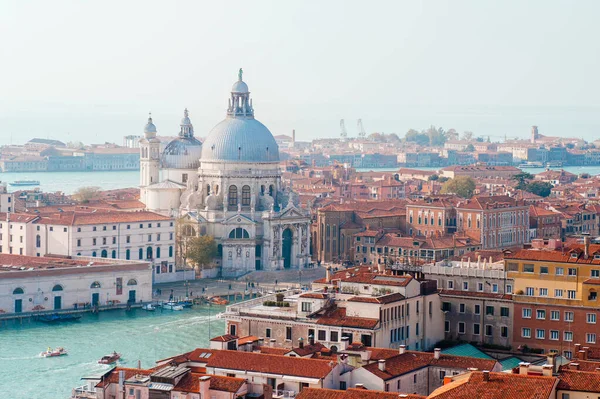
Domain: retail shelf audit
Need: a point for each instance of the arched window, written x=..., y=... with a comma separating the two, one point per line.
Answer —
x=104, y=253
x=132, y=282
x=271, y=190
x=219, y=250
x=94, y=254
x=38, y=241
x=149, y=253
x=141, y=253
x=239, y=233
x=262, y=189
x=95, y=284
x=127, y=254
x=114, y=254
x=170, y=251
x=18, y=291
x=208, y=189
x=233, y=196
x=246, y=196
x=158, y=253
x=189, y=231
x=57, y=287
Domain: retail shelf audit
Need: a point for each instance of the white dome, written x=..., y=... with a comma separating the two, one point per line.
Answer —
x=150, y=129
x=239, y=87
x=240, y=140
x=182, y=153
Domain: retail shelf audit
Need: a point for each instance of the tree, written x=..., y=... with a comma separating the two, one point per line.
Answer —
x=443, y=179
x=85, y=194
x=201, y=250
x=470, y=148
x=467, y=135
x=541, y=188
x=521, y=179
x=419, y=138
x=433, y=177
x=463, y=186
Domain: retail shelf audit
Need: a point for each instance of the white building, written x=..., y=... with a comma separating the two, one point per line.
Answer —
x=143, y=236
x=6, y=199
x=37, y=283
x=229, y=187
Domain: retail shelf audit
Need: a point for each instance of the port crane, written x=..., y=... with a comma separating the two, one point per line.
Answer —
x=361, y=130
x=343, y=132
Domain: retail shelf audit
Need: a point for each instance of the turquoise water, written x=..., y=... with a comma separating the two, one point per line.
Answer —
x=592, y=170
x=137, y=335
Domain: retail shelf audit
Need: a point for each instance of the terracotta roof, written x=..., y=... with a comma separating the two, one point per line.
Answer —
x=338, y=317
x=308, y=349
x=113, y=377
x=474, y=294
x=558, y=255
x=313, y=295
x=500, y=386
x=191, y=383
x=247, y=340
x=224, y=338
x=379, y=299
x=592, y=281
x=353, y=393
x=264, y=363
x=576, y=380
x=492, y=202
x=273, y=351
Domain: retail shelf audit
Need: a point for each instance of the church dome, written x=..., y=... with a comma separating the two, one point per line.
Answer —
x=150, y=129
x=183, y=152
x=240, y=137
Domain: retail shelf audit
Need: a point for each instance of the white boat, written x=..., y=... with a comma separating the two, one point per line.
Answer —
x=531, y=165
x=149, y=307
x=172, y=306
x=54, y=352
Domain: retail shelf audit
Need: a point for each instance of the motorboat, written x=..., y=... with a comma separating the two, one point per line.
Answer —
x=149, y=307
x=110, y=359
x=218, y=300
x=172, y=306
x=186, y=303
x=25, y=183
x=60, y=351
x=58, y=318
x=530, y=164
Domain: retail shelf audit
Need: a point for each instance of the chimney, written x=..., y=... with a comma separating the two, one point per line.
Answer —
x=204, y=386
x=328, y=274
x=486, y=375
x=272, y=342
x=121, y=380
x=402, y=349
x=311, y=339
x=586, y=246
x=345, y=341
x=293, y=136
x=436, y=353
x=301, y=343
x=551, y=360
x=523, y=368
x=586, y=350
x=573, y=366
x=577, y=349
x=447, y=380
x=381, y=268
x=382, y=365
x=359, y=386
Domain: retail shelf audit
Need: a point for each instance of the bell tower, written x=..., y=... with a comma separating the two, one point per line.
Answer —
x=149, y=158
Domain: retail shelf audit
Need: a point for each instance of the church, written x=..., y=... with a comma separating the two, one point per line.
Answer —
x=228, y=187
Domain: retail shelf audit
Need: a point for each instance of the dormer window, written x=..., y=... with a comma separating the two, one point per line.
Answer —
x=574, y=255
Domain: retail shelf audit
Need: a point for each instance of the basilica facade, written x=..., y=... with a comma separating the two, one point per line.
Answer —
x=228, y=187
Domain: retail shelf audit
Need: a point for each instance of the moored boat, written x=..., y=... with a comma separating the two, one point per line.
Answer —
x=148, y=307
x=57, y=318
x=25, y=183
x=185, y=303
x=110, y=359
x=217, y=300
x=60, y=351
x=172, y=306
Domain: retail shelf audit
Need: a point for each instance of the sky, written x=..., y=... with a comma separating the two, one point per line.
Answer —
x=92, y=70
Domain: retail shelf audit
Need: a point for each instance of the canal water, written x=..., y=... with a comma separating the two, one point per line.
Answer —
x=137, y=335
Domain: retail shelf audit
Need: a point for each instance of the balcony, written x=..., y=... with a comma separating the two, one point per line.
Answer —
x=283, y=393
x=83, y=392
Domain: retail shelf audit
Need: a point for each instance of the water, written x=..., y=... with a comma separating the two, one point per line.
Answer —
x=592, y=170
x=137, y=335
x=69, y=182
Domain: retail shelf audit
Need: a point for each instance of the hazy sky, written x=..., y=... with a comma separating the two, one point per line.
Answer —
x=91, y=70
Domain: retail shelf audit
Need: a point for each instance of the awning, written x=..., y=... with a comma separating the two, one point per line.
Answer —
x=306, y=380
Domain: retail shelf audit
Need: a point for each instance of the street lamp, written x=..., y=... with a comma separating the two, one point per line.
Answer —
x=300, y=278
x=186, y=284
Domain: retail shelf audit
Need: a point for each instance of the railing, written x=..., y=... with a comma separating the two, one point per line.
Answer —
x=83, y=392
x=236, y=308
x=283, y=393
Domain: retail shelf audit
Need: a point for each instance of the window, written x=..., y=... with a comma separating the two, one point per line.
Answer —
x=149, y=237
x=488, y=330
x=572, y=271
x=158, y=237
x=526, y=313
x=554, y=334
x=268, y=333
x=494, y=287
x=504, y=312
x=591, y=318
x=568, y=336
x=504, y=332
x=590, y=338
x=170, y=252
x=238, y=233
x=103, y=240
x=465, y=285
x=461, y=328
x=127, y=254
x=540, y=334
x=571, y=294
x=526, y=332
x=322, y=335
x=543, y=269
x=442, y=375
x=559, y=271
x=306, y=306
x=540, y=314
x=479, y=286
x=509, y=289
x=558, y=293
x=555, y=315
x=333, y=336
x=114, y=240
x=489, y=310
x=595, y=273
x=446, y=326
x=477, y=309
x=233, y=196
x=414, y=378
x=93, y=241
x=528, y=268
x=288, y=333
x=446, y=306
x=246, y=196
x=450, y=284
x=128, y=239
x=529, y=291
x=461, y=308
x=569, y=316
x=543, y=291
x=476, y=328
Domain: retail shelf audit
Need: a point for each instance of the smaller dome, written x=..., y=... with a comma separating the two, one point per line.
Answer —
x=182, y=153
x=239, y=87
x=150, y=129
x=185, y=121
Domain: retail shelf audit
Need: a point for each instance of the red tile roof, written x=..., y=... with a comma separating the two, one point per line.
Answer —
x=338, y=318
x=500, y=386
x=224, y=338
x=558, y=255
x=191, y=383
x=575, y=380
x=353, y=393
x=313, y=295
x=113, y=377
x=380, y=299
